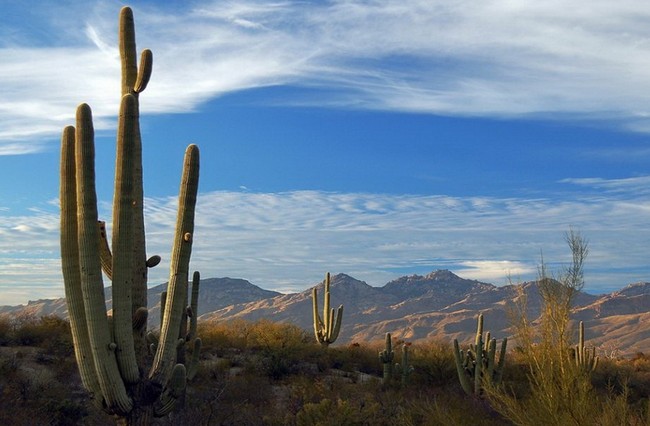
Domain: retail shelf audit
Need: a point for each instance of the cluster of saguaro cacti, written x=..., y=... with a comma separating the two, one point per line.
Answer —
x=326, y=328
x=405, y=368
x=387, y=356
x=478, y=363
x=586, y=361
x=111, y=351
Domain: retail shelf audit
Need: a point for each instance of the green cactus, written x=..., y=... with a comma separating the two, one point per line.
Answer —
x=111, y=352
x=386, y=357
x=478, y=365
x=585, y=361
x=326, y=328
x=405, y=368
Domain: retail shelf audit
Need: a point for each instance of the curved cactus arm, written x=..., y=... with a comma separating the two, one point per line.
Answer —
x=105, y=255
x=174, y=389
x=144, y=72
x=460, y=369
x=179, y=267
x=108, y=374
x=336, y=318
x=70, y=264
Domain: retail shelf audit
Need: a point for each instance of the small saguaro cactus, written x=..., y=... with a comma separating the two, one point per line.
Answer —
x=111, y=352
x=386, y=357
x=326, y=328
x=585, y=361
x=405, y=368
x=479, y=363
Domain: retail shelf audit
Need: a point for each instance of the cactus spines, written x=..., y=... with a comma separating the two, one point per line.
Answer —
x=111, y=350
x=326, y=328
x=478, y=365
x=386, y=356
x=586, y=361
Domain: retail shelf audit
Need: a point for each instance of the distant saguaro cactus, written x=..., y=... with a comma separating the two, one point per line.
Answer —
x=387, y=356
x=586, y=361
x=111, y=352
x=479, y=364
x=326, y=328
x=405, y=368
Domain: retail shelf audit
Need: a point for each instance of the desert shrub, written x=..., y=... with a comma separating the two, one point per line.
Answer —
x=281, y=348
x=5, y=330
x=361, y=357
x=433, y=363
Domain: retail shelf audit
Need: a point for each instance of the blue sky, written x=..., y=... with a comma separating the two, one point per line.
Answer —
x=376, y=138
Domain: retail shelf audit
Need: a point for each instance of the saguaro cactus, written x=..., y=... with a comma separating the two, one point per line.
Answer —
x=585, y=361
x=111, y=355
x=405, y=368
x=386, y=357
x=326, y=328
x=479, y=364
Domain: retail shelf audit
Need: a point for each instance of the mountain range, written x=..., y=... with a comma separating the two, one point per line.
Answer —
x=438, y=305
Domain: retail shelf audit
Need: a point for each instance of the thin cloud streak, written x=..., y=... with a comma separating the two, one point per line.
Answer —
x=492, y=59
x=286, y=241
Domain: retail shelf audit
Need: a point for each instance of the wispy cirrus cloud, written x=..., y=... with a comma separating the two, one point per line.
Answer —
x=286, y=241
x=498, y=58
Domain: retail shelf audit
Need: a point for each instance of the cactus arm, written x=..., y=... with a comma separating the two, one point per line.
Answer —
x=502, y=361
x=337, y=324
x=123, y=243
x=70, y=264
x=144, y=72
x=179, y=266
x=105, y=255
x=173, y=391
x=460, y=369
x=478, y=366
x=491, y=354
x=92, y=286
x=194, y=305
x=407, y=368
x=318, y=324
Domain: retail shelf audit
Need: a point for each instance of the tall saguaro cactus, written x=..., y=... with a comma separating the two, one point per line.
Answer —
x=326, y=328
x=479, y=363
x=585, y=361
x=111, y=352
x=386, y=357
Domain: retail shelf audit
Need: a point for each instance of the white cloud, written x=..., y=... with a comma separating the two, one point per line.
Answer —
x=289, y=240
x=498, y=58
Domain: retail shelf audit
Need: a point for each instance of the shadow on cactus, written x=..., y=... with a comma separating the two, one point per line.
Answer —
x=111, y=351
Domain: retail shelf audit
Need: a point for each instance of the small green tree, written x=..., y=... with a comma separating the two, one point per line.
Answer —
x=559, y=394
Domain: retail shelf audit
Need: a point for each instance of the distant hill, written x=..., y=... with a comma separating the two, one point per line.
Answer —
x=438, y=305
